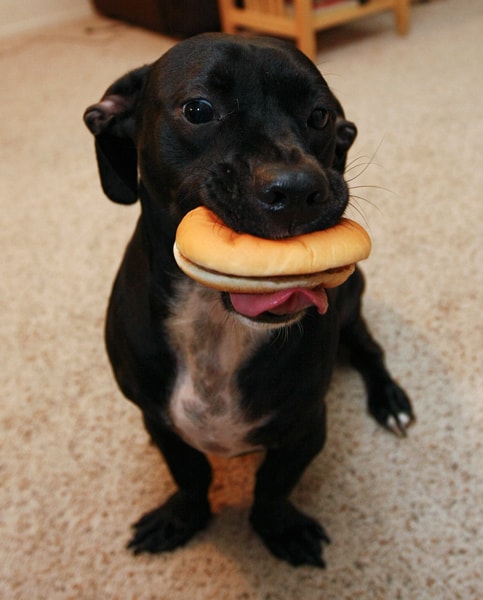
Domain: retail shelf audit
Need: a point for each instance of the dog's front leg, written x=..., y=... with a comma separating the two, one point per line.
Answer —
x=187, y=511
x=288, y=533
x=387, y=401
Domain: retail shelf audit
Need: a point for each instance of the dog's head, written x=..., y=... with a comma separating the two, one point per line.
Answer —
x=246, y=126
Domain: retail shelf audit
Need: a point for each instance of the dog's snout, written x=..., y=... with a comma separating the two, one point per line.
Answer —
x=293, y=189
x=296, y=195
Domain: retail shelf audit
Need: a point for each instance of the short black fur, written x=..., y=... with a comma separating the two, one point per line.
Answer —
x=267, y=154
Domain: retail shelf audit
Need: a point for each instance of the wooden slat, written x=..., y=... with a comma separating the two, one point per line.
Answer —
x=271, y=7
x=343, y=13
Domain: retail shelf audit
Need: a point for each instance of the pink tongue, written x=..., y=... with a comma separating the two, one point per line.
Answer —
x=285, y=302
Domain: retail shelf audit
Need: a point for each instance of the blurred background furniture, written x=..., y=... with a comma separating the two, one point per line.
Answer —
x=302, y=19
x=299, y=20
x=172, y=17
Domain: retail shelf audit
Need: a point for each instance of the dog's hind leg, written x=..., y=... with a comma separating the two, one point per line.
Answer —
x=387, y=402
x=187, y=511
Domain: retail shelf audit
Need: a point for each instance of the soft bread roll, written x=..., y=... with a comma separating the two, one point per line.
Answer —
x=215, y=255
x=259, y=285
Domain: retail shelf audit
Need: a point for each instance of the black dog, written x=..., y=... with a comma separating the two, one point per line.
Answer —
x=249, y=128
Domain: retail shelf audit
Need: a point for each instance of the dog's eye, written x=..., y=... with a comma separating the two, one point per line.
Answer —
x=198, y=111
x=319, y=118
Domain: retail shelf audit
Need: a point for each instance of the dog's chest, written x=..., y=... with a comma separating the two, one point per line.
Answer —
x=210, y=345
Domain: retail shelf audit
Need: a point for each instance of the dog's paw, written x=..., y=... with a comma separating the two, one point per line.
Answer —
x=391, y=407
x=169, y=526
x=289, y=534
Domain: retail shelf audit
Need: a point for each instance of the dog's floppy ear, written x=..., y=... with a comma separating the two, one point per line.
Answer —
x=346, y=133
x=113, y=122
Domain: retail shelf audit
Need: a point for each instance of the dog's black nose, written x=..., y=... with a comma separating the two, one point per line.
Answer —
x=297, y=196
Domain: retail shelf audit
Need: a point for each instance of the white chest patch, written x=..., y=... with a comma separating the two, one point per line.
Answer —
x=210, y=346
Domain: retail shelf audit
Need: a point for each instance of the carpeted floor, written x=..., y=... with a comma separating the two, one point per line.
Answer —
x=405, y=516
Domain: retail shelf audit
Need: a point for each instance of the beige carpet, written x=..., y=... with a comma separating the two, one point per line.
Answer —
x=406, y=517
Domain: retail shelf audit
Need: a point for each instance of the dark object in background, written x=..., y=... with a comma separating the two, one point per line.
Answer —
x=241, y=3
x=181, y=18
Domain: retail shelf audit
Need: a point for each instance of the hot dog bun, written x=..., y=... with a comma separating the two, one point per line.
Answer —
x=215, y=255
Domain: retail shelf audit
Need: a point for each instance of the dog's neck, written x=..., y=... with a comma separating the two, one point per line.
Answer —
x=211, y=345
x=199, y=322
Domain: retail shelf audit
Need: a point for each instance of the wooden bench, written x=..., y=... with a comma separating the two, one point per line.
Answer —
x=301, y=19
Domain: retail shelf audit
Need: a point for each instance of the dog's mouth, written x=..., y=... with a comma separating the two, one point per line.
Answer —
x=279, y=307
